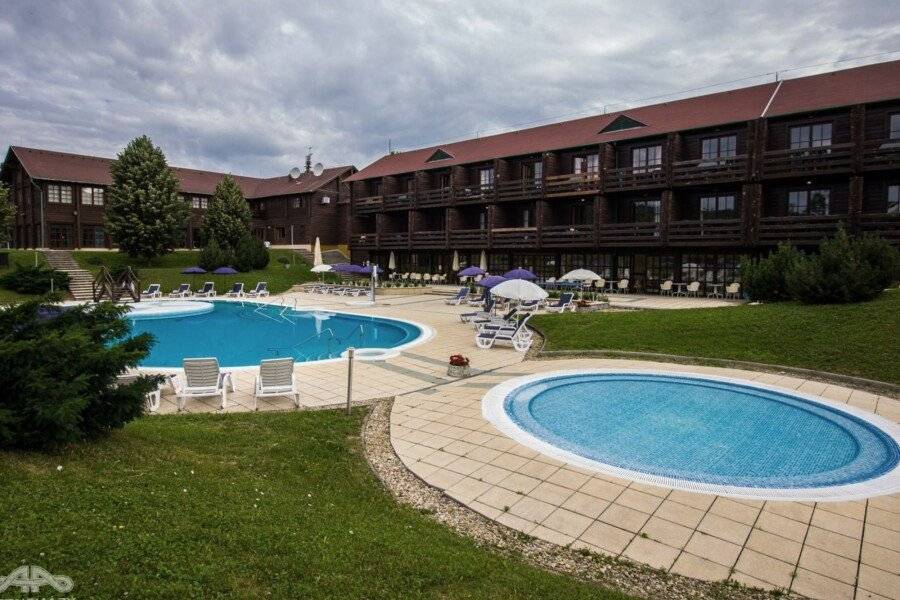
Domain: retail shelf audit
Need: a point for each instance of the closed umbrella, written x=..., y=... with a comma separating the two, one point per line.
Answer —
x=317, y=253
x=225, y=271
x=520, y=274
x=519, y=289
x=483, y=262
x=454, y=266
x=392, y=261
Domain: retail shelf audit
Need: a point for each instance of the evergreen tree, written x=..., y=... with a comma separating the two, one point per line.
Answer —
x=7, y=214
x=227, y=217
x=144, y=214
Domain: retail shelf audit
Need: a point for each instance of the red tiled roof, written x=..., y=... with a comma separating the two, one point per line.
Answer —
x=62, y=166
x=870, y=83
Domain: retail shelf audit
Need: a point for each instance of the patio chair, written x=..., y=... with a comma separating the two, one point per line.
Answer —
x=665, y=288
x=201, y=378
x=207, y=291
x=622, y=286
x=481, y=314
x=153, y=397
x=261, y=289
x=459, y=298
x=693, y=289
x=237, y=290
x=182, y=291
x=733, y=290
x=564, y=302
x=529, y=306
x=276, y=378
x=520, y=337
x=479, y=301
x=152, y=291
x=509, y=319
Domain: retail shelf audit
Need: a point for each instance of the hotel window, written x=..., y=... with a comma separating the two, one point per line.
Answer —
x=719, y=147
x=534, y=172
x=893, y=200
x=808, y=202
x=486, y=177
x=444, y=180
x=895, y=126
x=279, y=233
x=93, y=236
x=59, y=194
x=199, y=202
x=646, y=211
x=92, y=196
x=811, y=136
x=298, y=202
x=526, y=217
x=482, y=220
x=717, y=207
x=589, y=164
x=644, y=160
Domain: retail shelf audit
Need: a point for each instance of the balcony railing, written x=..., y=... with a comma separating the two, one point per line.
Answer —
x=709, y=170
x=364, y=241
x=809, y=229
x=519, y=189
x=881, y=224
x=435, y=197
x=429, y=239
x=836, y=158
x=401, y=201
x=623, y=234
x=567, y=235
x=515, y=237
x=369, y=204
x=572, y=183
x=393, y=240
x=469, y=238
x=634, y=178
x=471, y=194
x=881, y=154
x=714, y=231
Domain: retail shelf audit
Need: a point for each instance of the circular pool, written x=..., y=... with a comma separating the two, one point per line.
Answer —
x=701, y=433
x=240, y=334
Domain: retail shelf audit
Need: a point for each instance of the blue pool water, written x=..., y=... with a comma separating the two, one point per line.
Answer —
x=243, y=334
x=702, y=430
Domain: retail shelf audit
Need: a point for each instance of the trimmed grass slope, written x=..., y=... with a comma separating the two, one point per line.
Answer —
x=279, y=505
x=851, y=339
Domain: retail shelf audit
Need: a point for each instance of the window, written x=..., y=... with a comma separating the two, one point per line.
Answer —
x=298, y=202
x=533, y=171
x=526, y=217
x=279, y=232
x=589, y=164
x=482, y=220
x=808, y=202
x=199, y=202
x=719, y=147
x=622, y=122
x=710, y=268
x=439, y=155
x=895, y=126
x=93, y=237
x=92, y=196
x=717, y=207
x=410, y=185
x=893, y=200
x=444, y=180
x=644, y=160
x=646, y=211
x=486, y=176
x=811, y=136
x=59, y=194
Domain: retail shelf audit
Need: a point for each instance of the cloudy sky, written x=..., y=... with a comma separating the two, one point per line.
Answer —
x=245, y=87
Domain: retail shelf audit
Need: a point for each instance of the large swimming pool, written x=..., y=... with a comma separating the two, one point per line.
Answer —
x=701, y=433
x=243, y=333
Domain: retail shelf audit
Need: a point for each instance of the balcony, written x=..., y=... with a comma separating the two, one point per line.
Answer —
x=425, y=240
x=474, y=194
x=567, y=235
x=881, y=155
x=705, y=171
x=520, y=189
x=435, y=197
x=393, y=240
x=629, y=234
x=881, y=224
x=515, y=237
x=634, y=178
x=572, y=184
x=257, y=213
x=367, y=205
x=713, y=232
x=837, y=158
x=399, y=201
x=364, y=241
x=469, y=238
x=806, y=229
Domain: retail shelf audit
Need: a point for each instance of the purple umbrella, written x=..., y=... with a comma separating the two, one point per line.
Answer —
x=520, y=274
x=471, y=272
x=225, y=271
x=489, y=282
x=343, y=268
x=194, y=271
x=367, y=270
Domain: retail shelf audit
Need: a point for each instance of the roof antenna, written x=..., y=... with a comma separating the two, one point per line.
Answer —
x=309, y=159
x=390, y=148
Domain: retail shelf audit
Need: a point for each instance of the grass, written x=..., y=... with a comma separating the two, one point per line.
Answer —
x=851, y=339
x=20, y=257
x=242, y=506
x=166, y=270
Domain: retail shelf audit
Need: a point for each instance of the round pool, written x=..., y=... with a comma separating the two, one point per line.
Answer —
x=701, y=433
x=240, y=334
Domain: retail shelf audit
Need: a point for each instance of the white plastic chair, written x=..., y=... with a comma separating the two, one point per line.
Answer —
x=666, y=287
x=201, y=378
x=693, y=289
x=733, y=290
x=276, y=378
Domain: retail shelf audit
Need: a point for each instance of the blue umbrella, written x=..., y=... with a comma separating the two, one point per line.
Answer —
x=194, y=271
x=471, y=272
x=367, y=270
x=225, y=271
x=489, y=282
x=343, y=268
x=520, y=274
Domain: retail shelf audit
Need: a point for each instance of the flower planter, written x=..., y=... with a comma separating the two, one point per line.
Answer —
x=592, y=307
x=458, y=371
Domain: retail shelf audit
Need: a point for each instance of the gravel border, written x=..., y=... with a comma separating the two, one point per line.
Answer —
x=619, y=574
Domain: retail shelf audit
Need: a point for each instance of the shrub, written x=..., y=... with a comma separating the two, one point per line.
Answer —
x=214, y=256
x=59, y=373
x=31, y=279
x=95, y=260
x=251, y=253
x=765, y=279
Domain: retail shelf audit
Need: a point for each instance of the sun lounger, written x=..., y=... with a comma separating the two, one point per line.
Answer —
x=152, y=291
x=182, y=291
x=562, y=304
x=201, y=378
x=520, y=337
x=459, y=298
x=237, y=291
x=481, y=314
x=207, y=291
x=153, y=397
x=261, y=289
x=276, y=378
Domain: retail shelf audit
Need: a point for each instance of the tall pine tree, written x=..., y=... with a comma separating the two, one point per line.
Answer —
x=7, y=214
x=227, y=216
x=144, y=214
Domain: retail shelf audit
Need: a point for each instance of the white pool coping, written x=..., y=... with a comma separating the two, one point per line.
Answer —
x=887, y=483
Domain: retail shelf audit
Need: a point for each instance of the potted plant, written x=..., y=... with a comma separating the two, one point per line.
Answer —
x=459, y=366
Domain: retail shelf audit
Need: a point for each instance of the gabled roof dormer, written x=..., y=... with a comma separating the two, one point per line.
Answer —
x=439, y=154
x=622, y=122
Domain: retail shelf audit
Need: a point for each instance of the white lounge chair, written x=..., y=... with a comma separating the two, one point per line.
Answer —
x=497, y=321
x=276, y=378
x=202, y=378
x=207, y=291
x=182, y=291
x=153, y=396
x=519, y=336
x=485, y=313
x=262, y=289
x=237, y=290
x=733, y=290
x=153, y=291
x=564, y=302
x=459, y=298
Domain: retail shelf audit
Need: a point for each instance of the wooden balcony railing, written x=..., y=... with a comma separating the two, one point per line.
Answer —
x=571, y=183
x=471, y=194
x=624, y=234
x=809, y=229
x=634, y=178
x=435, y=197
x=402, y=201
x=881, y=224
x=881, y=154
x=515, y=237
x=430, y=239
x=519, y=189
x=469, y=238
x=709, y=170
x=567, y=235
x=364, y=241
x=393, y=240
x=369, y=204
x=716, y=231
x=836, y=158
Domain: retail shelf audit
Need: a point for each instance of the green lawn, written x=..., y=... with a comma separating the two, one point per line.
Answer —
x=279, y=505
x=166, y=270
x=852, y=339
x=17, y=256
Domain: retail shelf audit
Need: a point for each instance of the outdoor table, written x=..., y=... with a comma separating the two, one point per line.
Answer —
x=679, y=288
x=715, y=290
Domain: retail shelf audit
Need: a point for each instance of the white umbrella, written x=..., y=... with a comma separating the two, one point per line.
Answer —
x=321, y=268
x=392, y=261
x=483, y=264
x=455, y=266
x=317, y=253
x=581, y=275
x=519, y=289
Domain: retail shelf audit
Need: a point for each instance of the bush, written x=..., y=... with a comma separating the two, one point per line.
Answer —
x=250, y=254
x=765, y=279
x=59, y=373
x=30, y=279
x=214, y=256
x=95, y=260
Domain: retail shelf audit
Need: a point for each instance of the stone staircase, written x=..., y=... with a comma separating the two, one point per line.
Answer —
x=80, y=280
